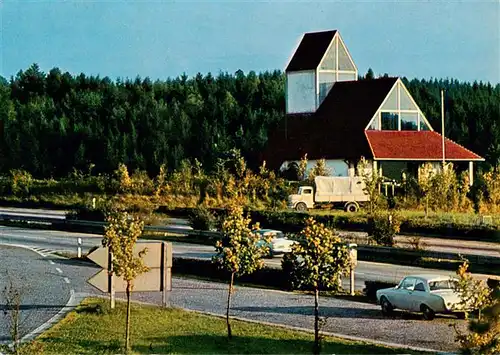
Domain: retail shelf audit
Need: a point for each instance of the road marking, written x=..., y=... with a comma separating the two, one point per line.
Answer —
x=73, y=301
x=59, y=270
x=66, y=280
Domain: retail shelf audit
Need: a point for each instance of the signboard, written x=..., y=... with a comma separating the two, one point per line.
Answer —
x=158, y=258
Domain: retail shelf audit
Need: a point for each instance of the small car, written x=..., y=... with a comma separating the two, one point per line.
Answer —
x=429, y=294
x=279, y=244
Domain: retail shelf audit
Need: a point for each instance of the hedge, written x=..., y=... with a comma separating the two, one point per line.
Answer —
x=293, y=222
x=269, y=277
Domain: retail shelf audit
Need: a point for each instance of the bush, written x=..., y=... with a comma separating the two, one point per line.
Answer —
x=200, y=218
x=371, y=288
x=493, y=283
x=270, y=277
x=20, y=182
x=288, y=266
x=383, y=227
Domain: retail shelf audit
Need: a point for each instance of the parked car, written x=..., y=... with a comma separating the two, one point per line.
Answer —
x=429, y=294
x=279, y=244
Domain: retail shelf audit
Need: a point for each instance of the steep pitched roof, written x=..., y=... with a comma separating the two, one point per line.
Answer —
x=311, y=49
x=336, y=129
x=415, y=145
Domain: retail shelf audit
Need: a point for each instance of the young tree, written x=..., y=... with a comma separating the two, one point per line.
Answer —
x=372, y=180
x=318, y=262
x=239, y=251
x=13, y=299
x=484, y=332
x=425, y=179
x=302, y=171
x=120, y=237
x=319, y=169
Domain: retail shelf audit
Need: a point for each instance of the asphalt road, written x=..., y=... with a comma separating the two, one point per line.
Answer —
x=447, y=245
x=47, y=292
x=32, y=212
x=47, y=241
x=42, y=286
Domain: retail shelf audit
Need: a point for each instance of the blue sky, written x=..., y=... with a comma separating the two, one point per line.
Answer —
x=159, y=39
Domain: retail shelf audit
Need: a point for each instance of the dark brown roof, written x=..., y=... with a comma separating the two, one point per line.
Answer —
x=311, y=50
x=336, y=130
x=415, y=145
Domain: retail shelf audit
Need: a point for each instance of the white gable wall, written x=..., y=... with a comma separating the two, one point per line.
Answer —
x=301, y=92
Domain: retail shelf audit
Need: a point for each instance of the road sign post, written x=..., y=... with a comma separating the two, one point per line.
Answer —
x=158, y=259
x=353, y=251
x=111, y=281
x=166, y=277
x=79, y=248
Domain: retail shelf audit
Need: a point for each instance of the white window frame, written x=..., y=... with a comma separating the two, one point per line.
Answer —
x=398, y=85
x=336, y=71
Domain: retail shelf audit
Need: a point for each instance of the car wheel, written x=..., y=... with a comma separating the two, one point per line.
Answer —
x=301, y=207
x=386, y=306
x=351, y=207
x=461, y=315
x=427, y=312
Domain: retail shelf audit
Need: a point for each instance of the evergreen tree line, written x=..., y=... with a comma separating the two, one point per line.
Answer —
x=52, y=123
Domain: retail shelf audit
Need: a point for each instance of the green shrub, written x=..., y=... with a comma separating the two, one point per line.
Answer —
x=200, y=218
x=371, y=288
x=20, y=182
x=383, y=227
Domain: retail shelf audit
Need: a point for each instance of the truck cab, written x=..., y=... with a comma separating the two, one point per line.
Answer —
x=302, y=200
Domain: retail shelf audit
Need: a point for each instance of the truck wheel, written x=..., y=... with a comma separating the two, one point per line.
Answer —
x=301, y=207
x=351, y=207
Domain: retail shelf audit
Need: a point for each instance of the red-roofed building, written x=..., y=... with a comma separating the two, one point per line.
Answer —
x=333, y=116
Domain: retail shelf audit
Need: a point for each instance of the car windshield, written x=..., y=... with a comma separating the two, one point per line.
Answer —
x=276, y=235
x=442, y=285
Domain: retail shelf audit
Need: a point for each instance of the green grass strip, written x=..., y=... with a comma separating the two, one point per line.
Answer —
x=93, y=328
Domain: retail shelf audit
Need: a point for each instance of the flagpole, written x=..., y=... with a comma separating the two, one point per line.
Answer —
x=442, y=124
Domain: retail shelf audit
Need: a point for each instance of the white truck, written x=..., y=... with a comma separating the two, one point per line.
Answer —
x=346, y=192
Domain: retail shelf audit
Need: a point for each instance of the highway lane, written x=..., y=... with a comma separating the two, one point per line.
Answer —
x=43, y=289
x=447, y=245
x=47, y=241
x=32, y=212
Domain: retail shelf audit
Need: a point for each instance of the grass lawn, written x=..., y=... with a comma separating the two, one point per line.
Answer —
x=92, y=328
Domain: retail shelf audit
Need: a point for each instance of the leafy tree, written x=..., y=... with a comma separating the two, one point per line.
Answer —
x=491, y=180
x=383, y=227
x=425, y=178
x=120, y=237
x=483, y=336
x=372, y=180
x=319, y=169
x=238, y=251
x=318, y=262
x=302, y=168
